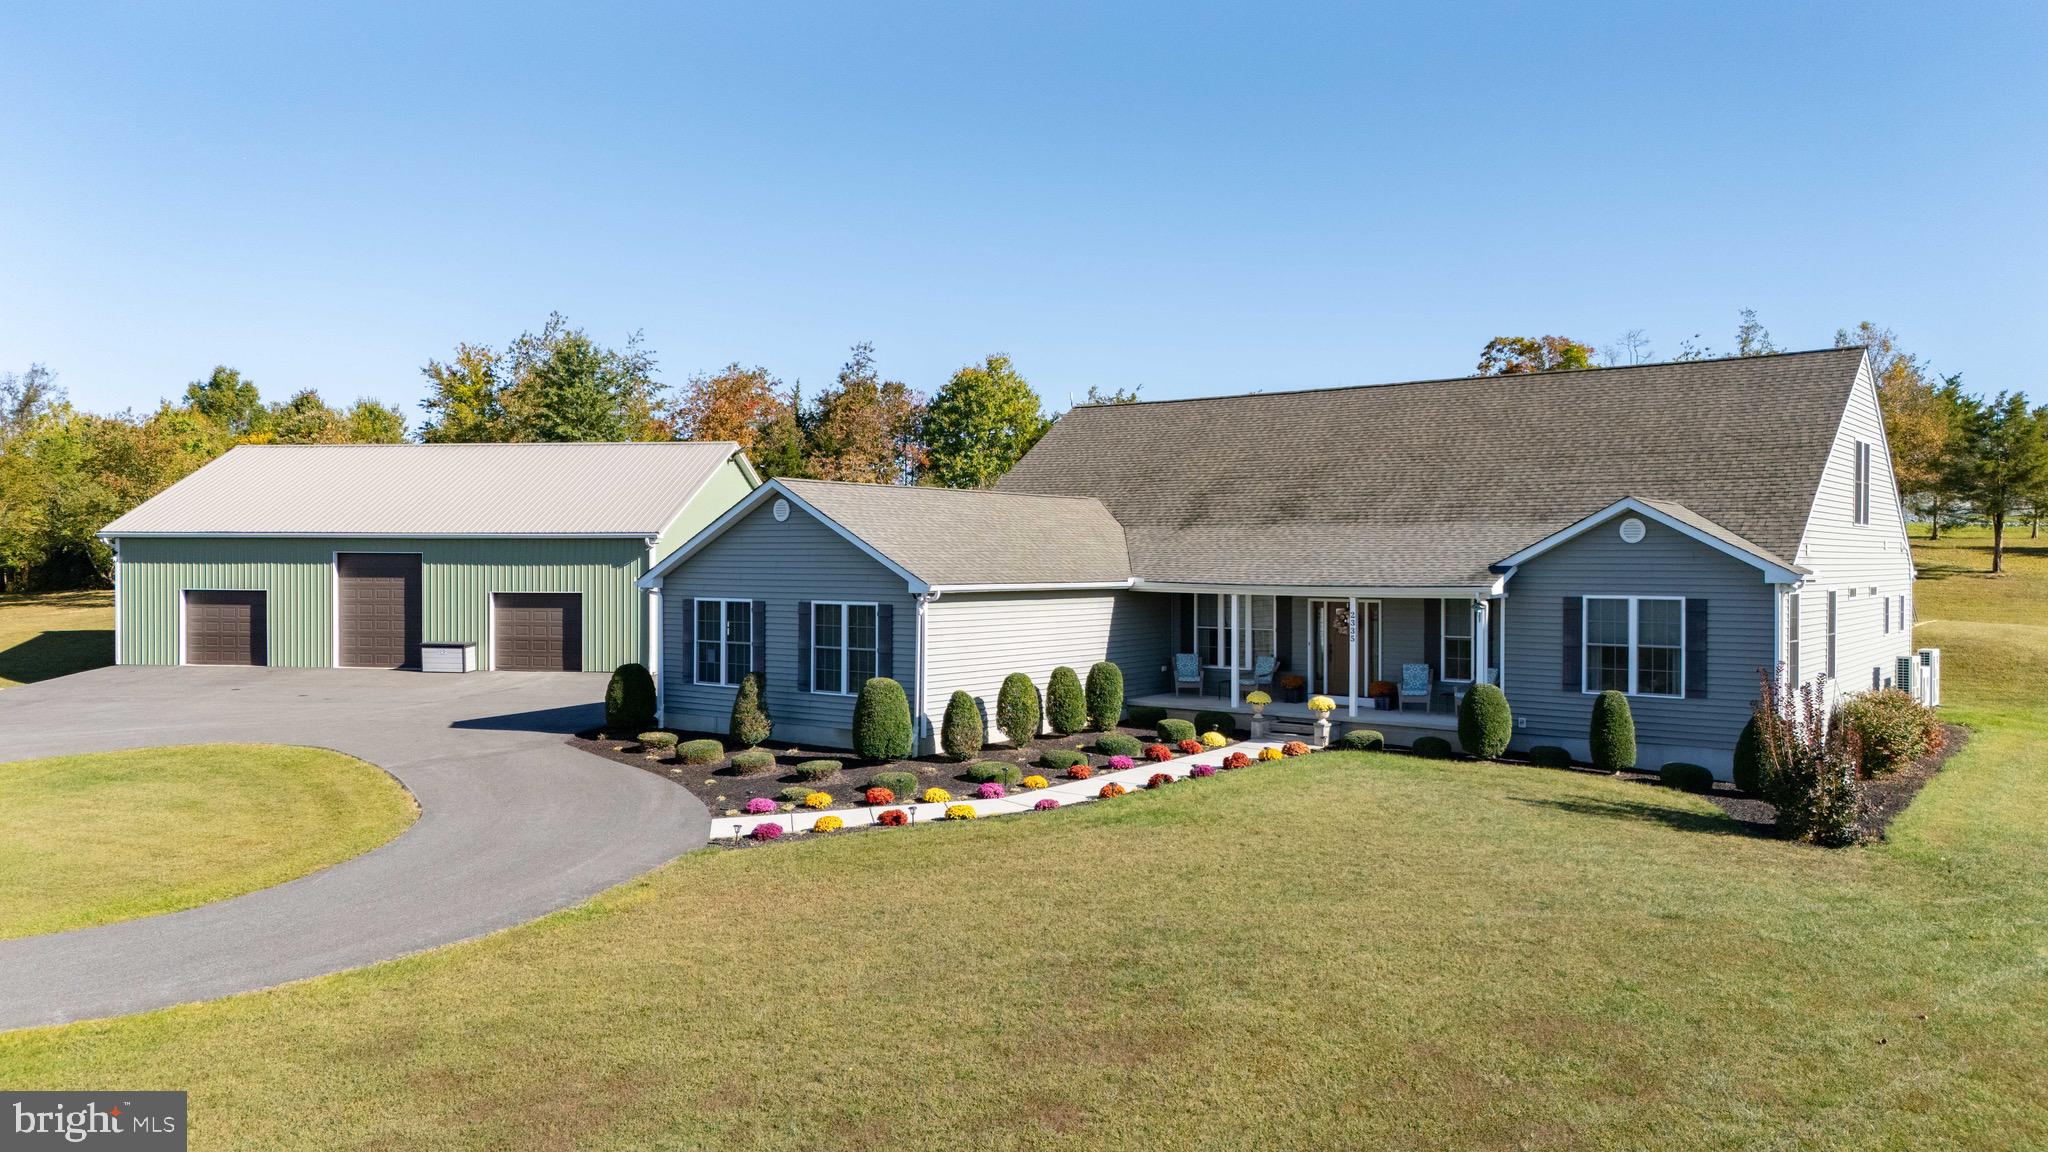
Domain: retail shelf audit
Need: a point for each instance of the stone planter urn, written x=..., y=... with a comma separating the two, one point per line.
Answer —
x=1323, y=730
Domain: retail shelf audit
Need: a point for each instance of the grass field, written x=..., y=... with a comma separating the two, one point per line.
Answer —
x=111, y=836
x=54, y=634
x=1342, y=951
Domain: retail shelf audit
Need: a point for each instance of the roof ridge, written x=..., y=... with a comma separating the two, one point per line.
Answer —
x=508, y=444
x=936, y=489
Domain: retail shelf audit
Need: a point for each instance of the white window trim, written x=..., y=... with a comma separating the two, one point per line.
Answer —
x=1634, y=646
x=1443, y=639
x=1861, y=485
x=845, y=644
x=1226, y=627
x=697, y=639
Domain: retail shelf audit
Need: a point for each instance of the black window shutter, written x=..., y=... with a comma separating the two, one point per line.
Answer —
x=760, y=635
x=1283, y=630
x=803, y=646
x=1573, y=652
x=1696, y=648
x=885, y=642
x=690, y=637
x=1433, y=636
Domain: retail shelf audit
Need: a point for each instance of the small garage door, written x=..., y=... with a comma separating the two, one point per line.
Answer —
x=537, y=632
x=379, y=613
x=225, y=628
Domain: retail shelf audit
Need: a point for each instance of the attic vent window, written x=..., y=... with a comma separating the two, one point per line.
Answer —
x=781, y=511
x=1632, y=531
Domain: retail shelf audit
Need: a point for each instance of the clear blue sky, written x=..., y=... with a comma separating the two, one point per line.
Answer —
x=1196, y=199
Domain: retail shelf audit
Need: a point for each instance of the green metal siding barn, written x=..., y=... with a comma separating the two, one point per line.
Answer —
x=315, y=556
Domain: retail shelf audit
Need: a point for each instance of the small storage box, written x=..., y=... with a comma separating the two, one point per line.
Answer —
x=447, y=657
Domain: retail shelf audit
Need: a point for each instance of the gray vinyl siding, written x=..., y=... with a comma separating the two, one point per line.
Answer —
x=781, y=564
x=974, y=641
x=1664, y=563
x=1400, y=639
x=1863, y=563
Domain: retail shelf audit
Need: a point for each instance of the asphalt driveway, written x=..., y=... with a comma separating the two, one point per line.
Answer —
x=513, y=824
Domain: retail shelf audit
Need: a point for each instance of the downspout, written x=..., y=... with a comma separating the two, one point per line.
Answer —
x=115, y=544
x=920, y=723
x=652, y=601
x=1777, y=631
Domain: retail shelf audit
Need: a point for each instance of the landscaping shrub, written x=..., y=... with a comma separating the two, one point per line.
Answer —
x=879, y=796
x=1105, y=695
x=1144, y=716
x=1066, y=702
x=1035, y=782
x=767, y=831
x=1046, y=804
x=816, y=769
x=1686, y=777
x=961, y=734
x=1749, y=764
x=960, y=812
x=993, y=790
x=1549, y=756
x=1434, y=747
x=897, y=783
x=1189, y=747
x=1612, y=733
x=881, y=720
x=706, y=751
x=794, y=794
x=1484, y=722
x=1158, y=752
x=1362, y=740
x=752, y=760
x=893, y=818
x=629, y=698
x=750, y=722
x=1118, y=744
x=1159, y=780
x=1893, y=729
x=1080, y=772
x=657, y=742
x=1111, y=791
x=1810, y=766
x=1121, y=763
x=1173, y=731
x=936, y=796
x=999, y=771
x=1294, y=748
x=1017, y=710
x=1222, y=722
x=1061, y=759
x=760, y=806
x=828, y=824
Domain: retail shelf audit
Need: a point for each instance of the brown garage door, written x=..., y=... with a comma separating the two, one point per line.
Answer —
x=537, y=632
x=225, y=628
x=379, y=613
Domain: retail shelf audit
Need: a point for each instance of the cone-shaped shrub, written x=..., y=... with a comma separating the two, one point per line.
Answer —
x=1105, y=695
x=629, y=698
x=1066, y=706
x=751, y=723
x=962, y=734
x=1017, y=710
x=1484, y=722
x=881, y=720
x=1613, y=733
x=1749, y=762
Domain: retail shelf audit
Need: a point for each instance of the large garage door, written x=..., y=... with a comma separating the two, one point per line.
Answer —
x=379, y=612
x=225, y=628
x=537, y=632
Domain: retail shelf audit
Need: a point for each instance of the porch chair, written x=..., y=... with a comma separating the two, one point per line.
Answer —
x=1262, y=673
x=1414, y=686
x=1187, y=670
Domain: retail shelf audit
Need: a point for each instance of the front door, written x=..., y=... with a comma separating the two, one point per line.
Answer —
x=1330, y=632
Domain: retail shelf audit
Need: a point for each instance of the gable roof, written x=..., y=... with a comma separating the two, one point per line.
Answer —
x=1680, y=519
x=950, y=539
x=433, y=490
x=1428, y=484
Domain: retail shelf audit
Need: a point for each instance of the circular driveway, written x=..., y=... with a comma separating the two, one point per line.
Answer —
x=513, y=824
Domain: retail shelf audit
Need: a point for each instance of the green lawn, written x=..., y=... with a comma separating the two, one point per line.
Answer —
x=54, y=634
x=1342, y=951
x=111, y=836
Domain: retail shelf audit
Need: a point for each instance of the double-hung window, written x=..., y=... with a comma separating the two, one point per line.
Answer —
x=1834, y=614
x=1456, y=655
x=1634, y=644
x=1862, y=482
x=725, y=640
x=1792, y=638
x=1216, y=640
x=845, y=640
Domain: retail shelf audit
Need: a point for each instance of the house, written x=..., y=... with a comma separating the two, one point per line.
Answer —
x=1669, y=531
x=318, y=555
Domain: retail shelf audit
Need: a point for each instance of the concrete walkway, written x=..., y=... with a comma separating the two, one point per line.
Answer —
x=513, y=824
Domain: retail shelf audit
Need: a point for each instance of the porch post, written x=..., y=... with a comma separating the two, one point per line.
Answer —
x=1236, y=629
x=1351, y=681
x=1482, y=672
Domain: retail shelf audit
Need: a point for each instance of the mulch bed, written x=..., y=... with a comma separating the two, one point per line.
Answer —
x=722, y=791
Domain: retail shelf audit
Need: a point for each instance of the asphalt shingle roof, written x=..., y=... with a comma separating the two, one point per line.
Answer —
x=1429, y=483
x=947, y=536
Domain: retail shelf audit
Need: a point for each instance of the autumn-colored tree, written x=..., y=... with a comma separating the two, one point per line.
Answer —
x=552, y=385
x=462, y=405
x=1923, y=416
x=865, y=429
x=1516, y=355
x=733, y=403
x=980, y=424
x=228, y=400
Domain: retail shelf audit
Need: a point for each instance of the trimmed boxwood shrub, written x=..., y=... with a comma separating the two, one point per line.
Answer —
x=816, y=769
x=1174, y=731
x=1222, y=722
x=1105, y=695
x=962, y=732
x=1144, y=716
x=1612, y=733
x=1066, y=703
x=1749, y=760
x=1485, y=725
x=1017, y=709
x=1362, y=740
x=705, y=751
x=1061, y=759
x=629, y=697
x=1688, y=777
x=881, y=720
x=903, y=784
x=750, y=722
x=753, y=760
x=1000, y=771
x=1549, y=756
x=1118, y=744
x=1434, y=747
x=795, y=793
x=657, y=741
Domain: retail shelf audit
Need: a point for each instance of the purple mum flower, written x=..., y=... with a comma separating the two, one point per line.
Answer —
x=993, y=790
x=760, y=806
x=1119, y=763
x=1046, y=805
x=1202, y=770
x=768, y=831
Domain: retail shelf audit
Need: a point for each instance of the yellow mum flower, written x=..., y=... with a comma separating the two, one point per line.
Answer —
x=1034, y=782
x=828, y=824
x=959, y=811
x=1214, y=739
x=818, y=800
x=1322, y=704
x=1255, y=696
x=1269, y=754
x=936, y=795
